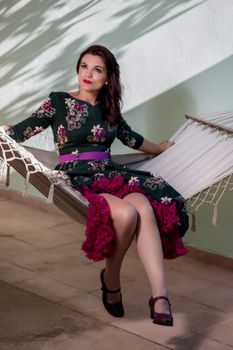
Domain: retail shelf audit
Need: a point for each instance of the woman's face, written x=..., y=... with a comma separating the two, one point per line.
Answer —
x=92, y=73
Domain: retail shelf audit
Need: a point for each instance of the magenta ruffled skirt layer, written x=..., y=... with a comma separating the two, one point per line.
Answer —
x=100, y=235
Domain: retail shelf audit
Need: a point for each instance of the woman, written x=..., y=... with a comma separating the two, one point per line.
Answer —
x=123, y=203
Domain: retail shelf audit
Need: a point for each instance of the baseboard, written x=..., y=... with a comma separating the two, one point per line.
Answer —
x=211, y=258
x=31, y=202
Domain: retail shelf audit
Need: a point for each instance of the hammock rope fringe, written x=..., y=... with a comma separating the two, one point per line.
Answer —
x=5, y=174
x=199, y=166
x=44, y=179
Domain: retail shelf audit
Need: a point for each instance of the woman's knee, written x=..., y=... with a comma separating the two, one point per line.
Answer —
x=126, y=215
x=123, y=213
x=141, y=204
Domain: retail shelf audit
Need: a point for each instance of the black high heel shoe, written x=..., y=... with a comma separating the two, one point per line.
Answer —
x=115, y=309
x=160, y=318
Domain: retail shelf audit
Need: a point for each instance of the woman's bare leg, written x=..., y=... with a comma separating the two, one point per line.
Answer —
x=150, y=248
x=124, y=217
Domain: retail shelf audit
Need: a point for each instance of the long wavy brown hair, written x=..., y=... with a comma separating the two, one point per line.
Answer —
x=110, y=95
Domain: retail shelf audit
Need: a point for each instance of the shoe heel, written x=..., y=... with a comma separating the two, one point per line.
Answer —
x=151, y=307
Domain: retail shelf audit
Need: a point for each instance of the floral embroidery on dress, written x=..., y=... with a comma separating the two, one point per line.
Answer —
x=113, y=173
x=154, y=182
x=9, y=130
x=98, y=134
x=29, y=132
x=98, y=165
x=124, y=135
x=133, y=181
x=98, y=176
x=166, y=200
x=38, y=129
x=131, y=141
x=76, y=152
x=84, y=178
x=45, y=110
x=77, y=114
x=62, y=137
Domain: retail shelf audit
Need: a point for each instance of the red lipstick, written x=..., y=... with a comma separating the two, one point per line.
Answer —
x=87, y=81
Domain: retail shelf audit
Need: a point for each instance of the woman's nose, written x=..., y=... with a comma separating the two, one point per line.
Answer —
x=89, y=73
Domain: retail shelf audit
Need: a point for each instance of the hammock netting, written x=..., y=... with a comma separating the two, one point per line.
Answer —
x=199, y=166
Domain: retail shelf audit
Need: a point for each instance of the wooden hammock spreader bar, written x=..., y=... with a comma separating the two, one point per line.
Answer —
x=211, y=125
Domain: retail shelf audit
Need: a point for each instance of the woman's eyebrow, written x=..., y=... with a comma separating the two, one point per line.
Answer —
x=98, y=66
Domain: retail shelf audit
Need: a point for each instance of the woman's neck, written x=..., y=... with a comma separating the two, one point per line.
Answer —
x=86, y=96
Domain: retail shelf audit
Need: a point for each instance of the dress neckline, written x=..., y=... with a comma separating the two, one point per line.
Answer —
x=79, y=99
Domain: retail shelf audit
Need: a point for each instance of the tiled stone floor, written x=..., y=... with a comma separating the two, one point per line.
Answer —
x=50, y=293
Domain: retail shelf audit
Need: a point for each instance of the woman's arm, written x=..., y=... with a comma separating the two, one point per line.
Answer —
x=154, y=148
x=134, y=140
x=36, y=123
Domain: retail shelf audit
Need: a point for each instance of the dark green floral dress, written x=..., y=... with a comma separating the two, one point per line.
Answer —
x=79, y=127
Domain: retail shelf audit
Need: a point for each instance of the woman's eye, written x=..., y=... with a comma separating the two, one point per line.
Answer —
x=98, y=70
x=83, y=66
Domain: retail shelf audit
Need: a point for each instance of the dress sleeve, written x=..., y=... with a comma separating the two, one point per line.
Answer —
x=127, y=136
x=36, y=123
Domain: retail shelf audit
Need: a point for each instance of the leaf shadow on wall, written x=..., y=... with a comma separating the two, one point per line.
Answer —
x=35, y=34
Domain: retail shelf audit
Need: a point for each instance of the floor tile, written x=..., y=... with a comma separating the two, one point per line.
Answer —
x=189, y=318
x=131, y=266
x=216, y=296
x=132, y=251
x=47, y=238
x=48, y=289
x=90, y=305
x=197, y=342
x=29, y=322
x=72, y=229
x=183, y=284
x=84, y=277
x=135, y=296
x=222, y=333
x=58, y=259
x=11, y=273
x=210, y=272
x=34, y=218
x=10, y=246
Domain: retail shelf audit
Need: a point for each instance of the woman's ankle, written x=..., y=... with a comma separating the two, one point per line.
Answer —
x=112, y=280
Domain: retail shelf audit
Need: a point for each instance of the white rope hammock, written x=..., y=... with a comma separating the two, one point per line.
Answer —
x=199, y=166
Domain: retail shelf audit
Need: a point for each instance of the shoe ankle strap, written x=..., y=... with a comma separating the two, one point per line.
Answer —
x=104, y=287
x=154, y=300
x=113, y=291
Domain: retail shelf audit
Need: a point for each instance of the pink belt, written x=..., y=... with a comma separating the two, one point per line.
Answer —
x=96, y=155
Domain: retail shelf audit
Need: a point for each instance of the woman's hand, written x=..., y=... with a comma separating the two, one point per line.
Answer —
x=155, y=148
x=163, y=146
x=3, y=127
